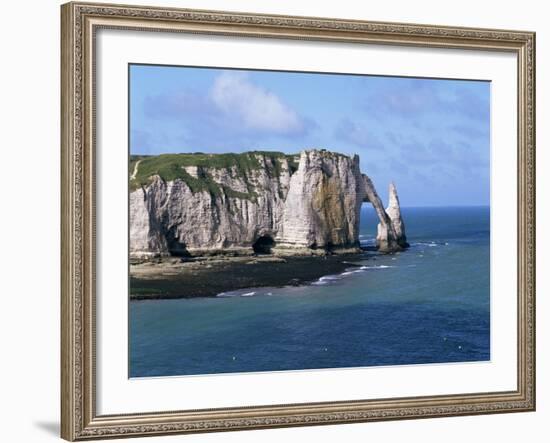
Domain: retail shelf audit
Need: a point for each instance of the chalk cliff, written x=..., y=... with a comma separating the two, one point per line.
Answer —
x=394, y=212
x=201, y=204
x=321, y=207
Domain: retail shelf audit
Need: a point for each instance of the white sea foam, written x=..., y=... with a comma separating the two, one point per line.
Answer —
x=319, y=283
x=324, y=280
x=235, y=294
x=431, y=244
x=352, y=271
x=226, y=294
x=377, y=267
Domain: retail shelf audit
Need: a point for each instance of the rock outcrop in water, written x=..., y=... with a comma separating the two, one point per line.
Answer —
x=199, y=204
x=394, y=211
x=391, y=229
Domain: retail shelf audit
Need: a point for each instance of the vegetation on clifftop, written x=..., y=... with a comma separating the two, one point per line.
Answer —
x=172, y=166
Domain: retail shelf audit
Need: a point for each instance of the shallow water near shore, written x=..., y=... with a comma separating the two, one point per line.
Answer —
x=429, y=304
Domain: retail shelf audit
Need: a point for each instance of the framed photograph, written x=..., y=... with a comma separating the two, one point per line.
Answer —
x=283, y=221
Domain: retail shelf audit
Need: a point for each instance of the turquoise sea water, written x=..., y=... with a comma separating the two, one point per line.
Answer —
x=429, y=304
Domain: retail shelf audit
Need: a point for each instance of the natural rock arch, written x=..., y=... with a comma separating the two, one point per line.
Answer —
x=390, y=235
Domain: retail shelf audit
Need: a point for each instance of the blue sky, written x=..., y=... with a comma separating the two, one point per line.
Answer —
x=430, y=136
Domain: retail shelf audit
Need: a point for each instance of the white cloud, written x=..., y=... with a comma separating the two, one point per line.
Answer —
x=254, y=107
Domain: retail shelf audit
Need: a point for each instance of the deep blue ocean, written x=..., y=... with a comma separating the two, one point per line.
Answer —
x=429, y=304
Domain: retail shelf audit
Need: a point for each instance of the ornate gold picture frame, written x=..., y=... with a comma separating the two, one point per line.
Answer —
x=80, y=23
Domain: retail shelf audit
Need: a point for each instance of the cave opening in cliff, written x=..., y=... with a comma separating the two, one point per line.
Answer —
x=176, y=247
x=263, y=245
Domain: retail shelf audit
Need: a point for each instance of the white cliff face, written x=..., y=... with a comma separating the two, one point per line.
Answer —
x=146, y=236
x=169, y=218
x=394, y=212
x=316, y=206
x=323, y=202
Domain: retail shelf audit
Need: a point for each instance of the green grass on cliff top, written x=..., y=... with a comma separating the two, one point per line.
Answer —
x=171, y=167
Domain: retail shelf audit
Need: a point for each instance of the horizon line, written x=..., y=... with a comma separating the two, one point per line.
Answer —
x=485, y=205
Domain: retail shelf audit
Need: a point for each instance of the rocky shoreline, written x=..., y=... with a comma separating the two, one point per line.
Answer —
x=170, y=277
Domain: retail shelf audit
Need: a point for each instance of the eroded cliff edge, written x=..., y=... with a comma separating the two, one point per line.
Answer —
x=201, y=204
